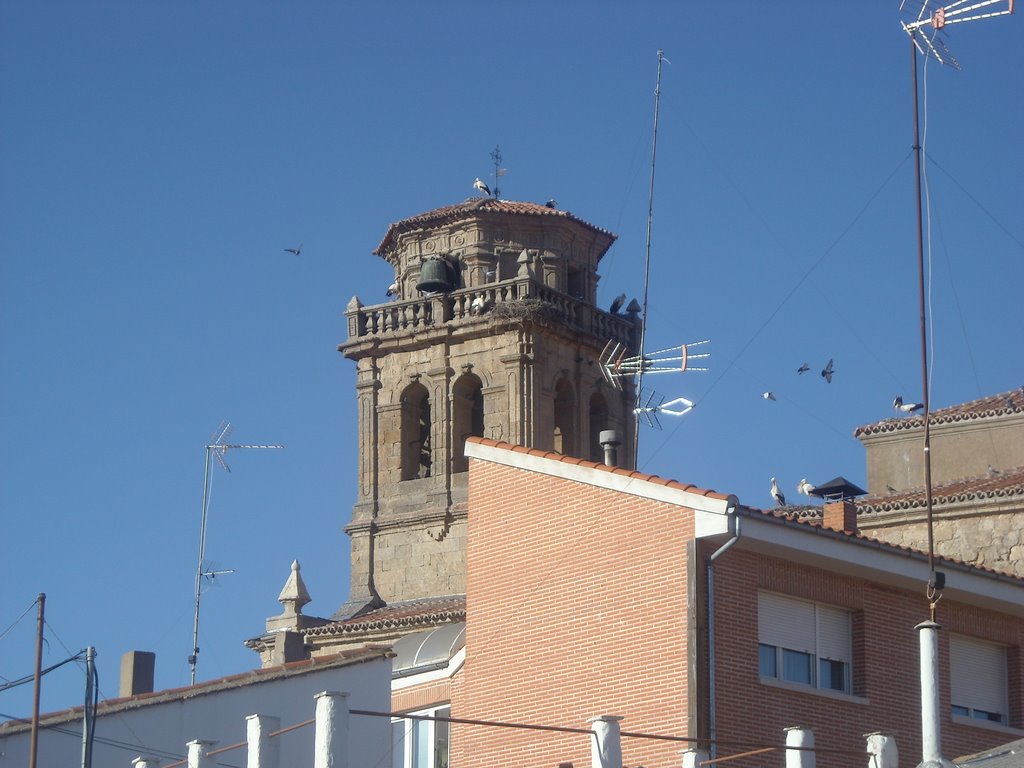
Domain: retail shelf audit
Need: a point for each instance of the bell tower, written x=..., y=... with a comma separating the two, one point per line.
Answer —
x=493, y=331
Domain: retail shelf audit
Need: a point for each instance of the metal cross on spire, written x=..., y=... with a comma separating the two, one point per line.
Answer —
x=498, y=170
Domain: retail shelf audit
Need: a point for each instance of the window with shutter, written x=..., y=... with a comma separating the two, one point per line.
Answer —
x=978, y=679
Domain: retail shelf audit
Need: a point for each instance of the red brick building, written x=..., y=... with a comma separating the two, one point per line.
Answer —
x=592, y=590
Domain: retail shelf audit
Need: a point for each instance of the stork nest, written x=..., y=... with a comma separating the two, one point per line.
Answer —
x=527, y=310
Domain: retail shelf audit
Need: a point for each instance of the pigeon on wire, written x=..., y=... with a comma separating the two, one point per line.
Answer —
x=393, y=289
x=768, y=396
x=617, y=303
x=780, y=499
x=296, y=251
x=803, y=369
x=805, y=488
x=481, y=187
x=826, y=372
x=899, y=405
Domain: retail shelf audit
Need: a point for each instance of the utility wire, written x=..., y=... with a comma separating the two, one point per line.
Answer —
x=30, y=678
x=16, y=621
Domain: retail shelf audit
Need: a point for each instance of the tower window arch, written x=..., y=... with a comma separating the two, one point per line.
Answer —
x=564, y=421
x=467, y=416
x=415, y=432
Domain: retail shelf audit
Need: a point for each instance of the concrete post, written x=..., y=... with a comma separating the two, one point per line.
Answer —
x=197, y=753
x=931, y=736
x=799, y=736
x=146, y=761
x=882, y=752
x=605, y=747
x=331, y=740
x=263, y=751
x=693, y=757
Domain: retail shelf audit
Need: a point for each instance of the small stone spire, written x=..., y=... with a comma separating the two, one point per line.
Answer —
x=294, y=595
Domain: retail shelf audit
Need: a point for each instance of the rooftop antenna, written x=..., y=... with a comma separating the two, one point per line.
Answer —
x=926, y=31
x=217, y=448
x=498, y=170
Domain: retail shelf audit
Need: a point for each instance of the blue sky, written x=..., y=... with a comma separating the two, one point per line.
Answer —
x=156, y=159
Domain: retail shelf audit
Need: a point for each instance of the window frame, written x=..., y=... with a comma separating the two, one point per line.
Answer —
x=414, y=729
x=975, y=662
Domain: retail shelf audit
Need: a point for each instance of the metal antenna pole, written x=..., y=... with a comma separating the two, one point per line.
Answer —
x=647, y=260
x=34, y=737
x=89, y=710
x=217, y=447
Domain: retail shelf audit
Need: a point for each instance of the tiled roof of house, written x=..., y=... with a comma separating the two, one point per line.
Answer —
x=466, y=210
x=995, y=486
x=630, y=473
x=1010, y=755
x=985, y=407
x=426, y=612
x=260, y=675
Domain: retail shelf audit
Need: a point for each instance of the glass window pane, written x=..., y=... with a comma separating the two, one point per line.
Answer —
x=422, y=747
x=398, y=744
x=767, y=660
x=441, y=739
x=796, y=666
x=831, y=675
x=958, y=710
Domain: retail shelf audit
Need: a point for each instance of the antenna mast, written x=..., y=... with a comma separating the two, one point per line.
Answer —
x=647, y=259
x=498, y=170
x=217, y=447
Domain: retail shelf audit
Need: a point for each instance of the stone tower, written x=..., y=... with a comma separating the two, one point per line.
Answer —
x=492, y=331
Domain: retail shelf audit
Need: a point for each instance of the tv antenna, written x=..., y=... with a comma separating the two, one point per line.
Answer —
x=217, y=448
x=498, y=170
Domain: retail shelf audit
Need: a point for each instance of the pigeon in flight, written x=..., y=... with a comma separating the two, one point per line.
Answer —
x=768, y=396
x=296, y=251
x=826, y=372
x=479, y=186
x=617, y=303
x=803, y=369
x=780, y=499
x=393, y=289
x=805, y=488
x=899, y=405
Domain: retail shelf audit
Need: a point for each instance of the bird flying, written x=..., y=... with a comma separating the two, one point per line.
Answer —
x=805, y=488
x=296, y=251
x=899, y=405
x=479, y=186
x=393, y=288
x=826, y=372
x=780, y=499
x=617, y=303
x=768, y=396
x=803, y=369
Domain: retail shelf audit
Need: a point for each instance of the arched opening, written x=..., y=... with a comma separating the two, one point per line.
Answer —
x=415, y=432
x=598, y=423
x=467, y=416
x=565, y=410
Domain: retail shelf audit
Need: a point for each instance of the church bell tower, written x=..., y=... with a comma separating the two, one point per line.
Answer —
x=492, y=331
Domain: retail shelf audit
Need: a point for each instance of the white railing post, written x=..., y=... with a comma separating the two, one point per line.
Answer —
x=799, y=736
x=262, y=751
x=882, y=752
x=197, y=753
x=693, y=757
x=605, y=747
x=331, y=740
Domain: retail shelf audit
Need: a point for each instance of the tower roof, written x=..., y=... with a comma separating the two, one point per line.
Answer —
x=469, y=208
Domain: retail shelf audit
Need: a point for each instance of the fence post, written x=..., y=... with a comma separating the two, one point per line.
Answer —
x=882, y=752
x=799, y=736
x=197, y=753
x=606, y=747
x=693, y=757
x=262, y=751
x=331, y=740
x=146, y=761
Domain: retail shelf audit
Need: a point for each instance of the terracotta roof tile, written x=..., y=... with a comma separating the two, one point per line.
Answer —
x=630, y=473
x=985, y=407
x=411, y=613
x=1008, y=484
x=466, y=209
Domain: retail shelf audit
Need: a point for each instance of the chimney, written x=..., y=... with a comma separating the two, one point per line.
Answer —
x=840, y=515
x=610, y=440
x=137, y=673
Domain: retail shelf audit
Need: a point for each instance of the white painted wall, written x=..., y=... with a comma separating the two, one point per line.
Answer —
x=157, y=729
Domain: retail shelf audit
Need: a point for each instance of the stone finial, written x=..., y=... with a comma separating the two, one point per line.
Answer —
x=294, y=595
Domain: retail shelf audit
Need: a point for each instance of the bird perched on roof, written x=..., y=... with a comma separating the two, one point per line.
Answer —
x=899, y=405
x=479, y=186
x=826, y=372
x=804, y=487
x=768, y=396
x=393, y=288
x=476, y=306
x=803, y=369
x=552, y=203
x=617, y=303
x=296, y=251
x=780, y=499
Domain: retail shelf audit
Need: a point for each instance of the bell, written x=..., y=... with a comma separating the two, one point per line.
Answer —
x=434, y=277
